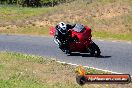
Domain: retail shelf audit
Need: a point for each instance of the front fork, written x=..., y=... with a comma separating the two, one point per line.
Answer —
x=88, y=45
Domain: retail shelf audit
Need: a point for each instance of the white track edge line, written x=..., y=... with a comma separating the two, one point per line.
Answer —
x=90, y=67
x=129, y=42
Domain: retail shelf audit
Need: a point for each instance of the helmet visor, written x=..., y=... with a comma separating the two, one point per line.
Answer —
x=63, y=31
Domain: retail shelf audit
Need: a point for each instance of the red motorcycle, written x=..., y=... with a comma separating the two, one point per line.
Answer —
x=81, y=41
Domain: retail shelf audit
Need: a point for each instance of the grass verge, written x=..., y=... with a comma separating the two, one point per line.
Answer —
x=33, y=30
x=8, y=13
x=28, y=30
x=112, y=36
x=111, y=19
x=29, y=71
x=38, y=30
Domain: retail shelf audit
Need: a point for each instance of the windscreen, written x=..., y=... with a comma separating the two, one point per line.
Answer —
x=79, y=28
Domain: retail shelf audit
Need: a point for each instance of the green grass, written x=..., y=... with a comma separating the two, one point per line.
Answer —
x=34, y=30
x=29, y=71
x=111, y=19
x=109, y=35
x=9, y=13
x=28, y=30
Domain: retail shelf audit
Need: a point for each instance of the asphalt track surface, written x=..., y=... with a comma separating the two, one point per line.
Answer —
x=116, y=56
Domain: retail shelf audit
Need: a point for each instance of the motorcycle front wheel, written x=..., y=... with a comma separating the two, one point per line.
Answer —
x=94, y=50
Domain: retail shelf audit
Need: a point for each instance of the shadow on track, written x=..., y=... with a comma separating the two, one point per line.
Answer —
x=101, y=56
x=87, y=55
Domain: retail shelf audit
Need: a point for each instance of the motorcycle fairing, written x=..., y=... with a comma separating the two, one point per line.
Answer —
x=84, y=39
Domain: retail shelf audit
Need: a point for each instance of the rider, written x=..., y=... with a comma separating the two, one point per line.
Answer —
x=61, y=33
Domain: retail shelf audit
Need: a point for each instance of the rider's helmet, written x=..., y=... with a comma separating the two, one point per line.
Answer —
x=62, y=28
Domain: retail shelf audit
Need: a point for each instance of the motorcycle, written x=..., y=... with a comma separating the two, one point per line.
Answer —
x=79, y=41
